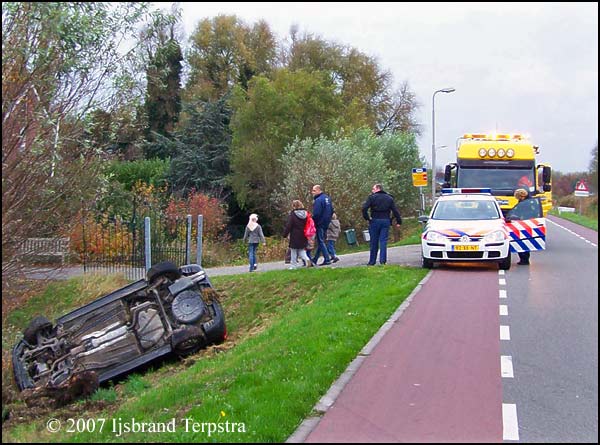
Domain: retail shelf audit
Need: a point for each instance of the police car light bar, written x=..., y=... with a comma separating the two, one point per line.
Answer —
x=456, y=191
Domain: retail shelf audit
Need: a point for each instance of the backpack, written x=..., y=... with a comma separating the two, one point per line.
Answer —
x=309, y=227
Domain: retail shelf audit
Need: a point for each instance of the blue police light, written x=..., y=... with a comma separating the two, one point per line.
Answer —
x=457, y=191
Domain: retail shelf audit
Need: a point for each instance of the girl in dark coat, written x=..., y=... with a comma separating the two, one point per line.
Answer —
x=295, y=229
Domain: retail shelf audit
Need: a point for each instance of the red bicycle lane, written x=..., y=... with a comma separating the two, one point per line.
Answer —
x=434, y=376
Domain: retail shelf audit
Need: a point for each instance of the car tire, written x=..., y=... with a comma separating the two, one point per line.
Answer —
x=188, y=340
x=505, y=263
x=426, y=263
x=166, y=268
x=37, y=325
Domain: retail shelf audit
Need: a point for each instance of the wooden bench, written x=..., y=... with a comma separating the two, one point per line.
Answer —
x=45, y=247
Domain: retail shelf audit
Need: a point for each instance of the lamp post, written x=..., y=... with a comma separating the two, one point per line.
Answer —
x=443, y=90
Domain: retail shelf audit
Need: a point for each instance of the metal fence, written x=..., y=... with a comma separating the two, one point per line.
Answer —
x=115, y=245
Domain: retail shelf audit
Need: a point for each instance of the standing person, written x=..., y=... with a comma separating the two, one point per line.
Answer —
x=522, y=195
x=254, y=235
x=381, y=204
x=333, y=233
x=322, y=211
x=294, y=227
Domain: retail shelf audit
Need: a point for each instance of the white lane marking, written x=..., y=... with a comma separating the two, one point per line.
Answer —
x=502, y=293
x=503, y=309
x=501, y=272
x=502, y=282
x=572, y=233
x=510, y=423
x=506, y=367
x=504, y=332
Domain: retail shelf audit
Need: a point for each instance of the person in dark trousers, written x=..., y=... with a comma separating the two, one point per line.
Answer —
x=380, y=204
x=322, y=211
x=294, y=228
x=253, y=235
x=522, y=195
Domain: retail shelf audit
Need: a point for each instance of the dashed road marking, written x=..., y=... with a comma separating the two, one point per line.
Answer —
x=504, y=332
x=506, y=367
x=510, y=423
x=503, y=309
x=502, y=293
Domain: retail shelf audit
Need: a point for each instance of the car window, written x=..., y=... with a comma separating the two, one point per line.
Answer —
x=465, y=210
x=530, y=208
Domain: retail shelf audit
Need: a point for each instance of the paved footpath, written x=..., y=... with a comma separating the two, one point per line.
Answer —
x=402, y=255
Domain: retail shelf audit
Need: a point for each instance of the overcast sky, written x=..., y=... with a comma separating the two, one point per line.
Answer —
x=517, y=67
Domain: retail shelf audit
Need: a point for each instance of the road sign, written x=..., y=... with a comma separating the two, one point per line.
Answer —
x=419, y=176
x=581, y=189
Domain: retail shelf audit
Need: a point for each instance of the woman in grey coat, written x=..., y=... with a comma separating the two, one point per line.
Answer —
x=253, y=235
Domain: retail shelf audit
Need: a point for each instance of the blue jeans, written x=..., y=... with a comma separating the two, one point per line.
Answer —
x=252, y=255
x=321, y=247
x=331, y=248
x=379, y=230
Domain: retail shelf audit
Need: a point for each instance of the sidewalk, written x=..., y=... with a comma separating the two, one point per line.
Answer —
x=402, y=256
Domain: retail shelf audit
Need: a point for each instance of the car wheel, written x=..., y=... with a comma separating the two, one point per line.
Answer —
x=426, y=263
x=505, y=263
x=166, y=268
x=37, y=325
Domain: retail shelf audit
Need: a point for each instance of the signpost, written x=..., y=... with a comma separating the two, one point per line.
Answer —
x=581, y=190
x=419, y=176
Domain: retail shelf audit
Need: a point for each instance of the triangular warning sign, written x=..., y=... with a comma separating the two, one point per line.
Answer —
x=581, y=186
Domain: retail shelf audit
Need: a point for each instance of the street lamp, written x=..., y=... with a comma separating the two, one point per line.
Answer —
x=443, y=90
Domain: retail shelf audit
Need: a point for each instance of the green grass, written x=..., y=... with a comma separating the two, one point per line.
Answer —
x=582, y=220
x=294, y=333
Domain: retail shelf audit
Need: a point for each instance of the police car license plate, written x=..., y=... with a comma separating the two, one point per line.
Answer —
x=465, y=248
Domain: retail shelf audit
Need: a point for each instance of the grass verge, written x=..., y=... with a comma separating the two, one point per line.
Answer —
x=582, y=220
x=294, y=333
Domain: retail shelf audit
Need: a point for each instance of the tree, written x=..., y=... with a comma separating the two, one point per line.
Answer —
x=163, y=72
x=366, y=90
x=226, y=52
x=59, y=62
x=593, y=169
x=347, y=168
x=201, y=150
x=269, y=116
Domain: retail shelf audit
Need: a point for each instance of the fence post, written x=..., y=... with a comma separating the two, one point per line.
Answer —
x=199, y=241
x=147, y=245
x=188, y=239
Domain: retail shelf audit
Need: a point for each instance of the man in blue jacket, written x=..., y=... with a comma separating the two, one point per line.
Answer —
x=322, y=211
x=381, y=204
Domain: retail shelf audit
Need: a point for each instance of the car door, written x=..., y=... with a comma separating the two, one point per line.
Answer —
x=527, y=226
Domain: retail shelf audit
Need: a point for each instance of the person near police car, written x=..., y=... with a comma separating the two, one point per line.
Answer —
x=521, y=195
x=376, y=209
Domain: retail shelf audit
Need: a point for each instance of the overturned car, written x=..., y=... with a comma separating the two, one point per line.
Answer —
x=175, y=310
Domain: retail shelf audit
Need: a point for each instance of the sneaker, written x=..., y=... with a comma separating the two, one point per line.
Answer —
x=523, y=263
x=370, y=264
x=292, y=268
x=328, y=263
x=335, y=259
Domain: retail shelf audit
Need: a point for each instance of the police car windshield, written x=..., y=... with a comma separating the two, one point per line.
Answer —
x=465, y=210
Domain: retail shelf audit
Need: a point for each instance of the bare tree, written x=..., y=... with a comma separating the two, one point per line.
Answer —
x=58, y=63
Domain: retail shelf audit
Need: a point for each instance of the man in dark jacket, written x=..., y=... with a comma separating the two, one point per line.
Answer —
x=322, y=211
x=381, y=204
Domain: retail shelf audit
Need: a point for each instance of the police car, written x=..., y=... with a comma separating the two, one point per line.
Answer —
x=468, y=225
x=465, y=225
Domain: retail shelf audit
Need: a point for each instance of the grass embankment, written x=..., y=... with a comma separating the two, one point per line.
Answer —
x=582, y=220
x=293, y=332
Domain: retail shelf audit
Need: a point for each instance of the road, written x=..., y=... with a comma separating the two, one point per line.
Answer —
x=482, y=355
